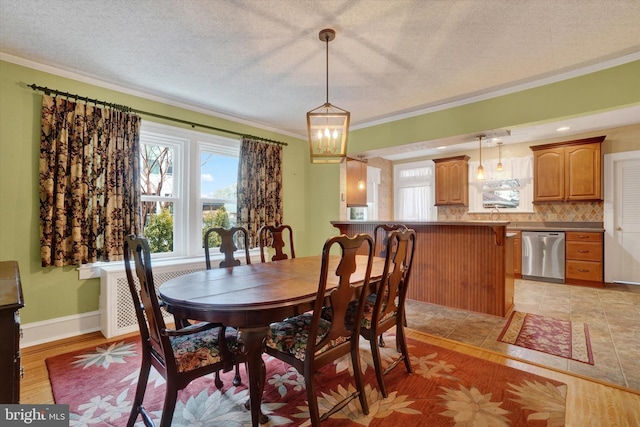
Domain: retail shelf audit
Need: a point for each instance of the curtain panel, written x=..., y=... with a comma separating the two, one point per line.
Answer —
x=259, y=186
x=89, y=182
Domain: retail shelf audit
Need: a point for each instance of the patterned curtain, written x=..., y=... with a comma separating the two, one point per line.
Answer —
x=89, y=182
x=259, y=186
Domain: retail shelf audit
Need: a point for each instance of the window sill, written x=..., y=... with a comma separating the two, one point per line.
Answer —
x=92, y=271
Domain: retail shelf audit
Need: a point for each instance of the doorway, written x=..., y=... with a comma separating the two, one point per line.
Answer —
x=622, y=217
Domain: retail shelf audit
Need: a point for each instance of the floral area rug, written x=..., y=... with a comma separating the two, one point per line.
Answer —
x=554, y=336
x=446, y=388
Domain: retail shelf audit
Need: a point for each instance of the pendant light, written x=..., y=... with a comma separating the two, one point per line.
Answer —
x=499, y=167
x=480, y=174
x=362, y=185
x=327, y=125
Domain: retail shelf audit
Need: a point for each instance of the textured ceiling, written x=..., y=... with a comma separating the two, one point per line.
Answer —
x=261, y=61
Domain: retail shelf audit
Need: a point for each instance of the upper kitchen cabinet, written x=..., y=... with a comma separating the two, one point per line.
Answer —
x=452, y=181
x=568, y=171
x=356, y=183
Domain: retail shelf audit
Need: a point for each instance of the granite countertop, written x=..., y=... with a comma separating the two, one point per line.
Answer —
x=477, y=223
x=593, y=227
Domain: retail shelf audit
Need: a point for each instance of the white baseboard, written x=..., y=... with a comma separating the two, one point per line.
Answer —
x=62, y=327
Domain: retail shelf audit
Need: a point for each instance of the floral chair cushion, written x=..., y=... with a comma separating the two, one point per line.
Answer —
x=291, y=335
x=367, y=314
x=202, y=348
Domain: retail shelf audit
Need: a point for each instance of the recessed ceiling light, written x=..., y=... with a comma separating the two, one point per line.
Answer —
x=442, y=147
x=563, y=128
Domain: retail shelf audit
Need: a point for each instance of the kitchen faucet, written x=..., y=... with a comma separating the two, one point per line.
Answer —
x=495, y=210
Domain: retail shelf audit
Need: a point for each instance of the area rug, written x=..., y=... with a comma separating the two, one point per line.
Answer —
x=559, y=337
x=446, y=389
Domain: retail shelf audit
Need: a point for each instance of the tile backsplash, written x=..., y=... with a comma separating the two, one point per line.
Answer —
x=543, y=212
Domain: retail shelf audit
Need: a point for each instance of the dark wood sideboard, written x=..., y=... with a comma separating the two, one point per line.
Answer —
x=10, y=303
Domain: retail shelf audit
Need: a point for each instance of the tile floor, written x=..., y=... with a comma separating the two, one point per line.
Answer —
x=612, y=314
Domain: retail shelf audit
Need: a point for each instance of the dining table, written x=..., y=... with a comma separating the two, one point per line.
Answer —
x=250, y=297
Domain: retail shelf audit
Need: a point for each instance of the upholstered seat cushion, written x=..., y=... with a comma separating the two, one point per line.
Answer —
x=367, y=314
x=291, y=335
x=202, y=348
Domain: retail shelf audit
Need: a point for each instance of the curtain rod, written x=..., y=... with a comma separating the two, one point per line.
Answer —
x=48, y=91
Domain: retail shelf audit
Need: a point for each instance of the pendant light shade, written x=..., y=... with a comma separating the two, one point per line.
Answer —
x=362, y=185
x=327, y=125
x=480, y=173
x=499, y=167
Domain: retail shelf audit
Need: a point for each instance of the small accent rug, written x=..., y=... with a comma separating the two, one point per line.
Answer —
x=554, y=336
x=447, y=388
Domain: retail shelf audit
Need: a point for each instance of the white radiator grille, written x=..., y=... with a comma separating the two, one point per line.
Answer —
x=117, y=315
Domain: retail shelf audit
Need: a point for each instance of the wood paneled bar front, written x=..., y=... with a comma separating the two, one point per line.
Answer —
x=465, y=265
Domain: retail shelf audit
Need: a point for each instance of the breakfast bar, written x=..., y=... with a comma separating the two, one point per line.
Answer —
x=464, y=265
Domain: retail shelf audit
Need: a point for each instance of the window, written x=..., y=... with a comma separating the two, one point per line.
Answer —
x=503, y=193
x=189, y=182
x=414, y=191
x=510, y=190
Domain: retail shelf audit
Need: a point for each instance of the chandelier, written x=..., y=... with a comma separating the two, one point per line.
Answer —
x=327, y=125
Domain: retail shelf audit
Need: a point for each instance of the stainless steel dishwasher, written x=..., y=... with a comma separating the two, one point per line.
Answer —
x=543, y=256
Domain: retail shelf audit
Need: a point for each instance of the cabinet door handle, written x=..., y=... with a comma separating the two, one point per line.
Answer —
x=582, y=236
x=582, y=270
x=583, y=251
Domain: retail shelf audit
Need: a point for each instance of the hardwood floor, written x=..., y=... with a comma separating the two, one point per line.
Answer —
x=589, y=402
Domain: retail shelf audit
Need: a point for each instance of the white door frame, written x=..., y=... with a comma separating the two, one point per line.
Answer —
x=610, y=241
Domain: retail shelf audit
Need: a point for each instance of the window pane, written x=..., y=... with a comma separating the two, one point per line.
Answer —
x=501, y=194
x=156, y=170
x=218, y=177
x=158, y=225
x=214, y=216
x=218, y=191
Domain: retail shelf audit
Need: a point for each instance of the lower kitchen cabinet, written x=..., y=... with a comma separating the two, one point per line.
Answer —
x=517, y=254
x=584, y=258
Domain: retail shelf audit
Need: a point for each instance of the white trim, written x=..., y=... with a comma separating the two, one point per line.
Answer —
x=141, y=94
x=430, y=109
x=506, y=91
x=62, y=327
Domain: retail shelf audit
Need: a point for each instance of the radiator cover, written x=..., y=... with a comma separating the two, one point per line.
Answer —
x=117, y=315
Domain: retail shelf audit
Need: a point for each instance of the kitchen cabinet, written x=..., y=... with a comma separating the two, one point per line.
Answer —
x=356, y=173
x=584, y=257
x=517, y=254
x=452, y=181
x=10, y=303
x=568, y=171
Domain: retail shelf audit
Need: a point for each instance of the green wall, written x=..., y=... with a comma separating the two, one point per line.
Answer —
x=596, y=92
x=56, y=292
x=311, y=192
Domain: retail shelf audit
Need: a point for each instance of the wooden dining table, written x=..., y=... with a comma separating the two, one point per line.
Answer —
x=251, y=297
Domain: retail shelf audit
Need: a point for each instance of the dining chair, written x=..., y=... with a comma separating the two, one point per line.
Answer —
x=272, y=236
x=385, y=308
x=381, y=234
x=230, y=238
x=179, y=355
x=308, y=342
